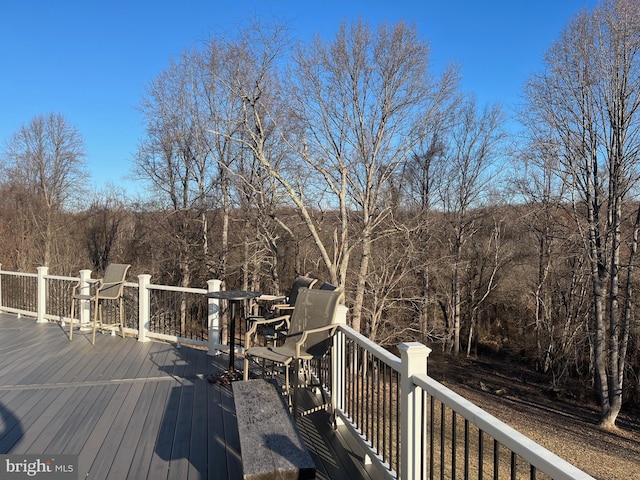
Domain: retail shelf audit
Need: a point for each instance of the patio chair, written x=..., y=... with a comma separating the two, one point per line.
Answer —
x=282, y=303
x=311, y=328
x=276, y=331
x=110, y=287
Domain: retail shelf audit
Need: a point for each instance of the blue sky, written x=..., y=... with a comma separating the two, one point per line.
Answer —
x=91, y=60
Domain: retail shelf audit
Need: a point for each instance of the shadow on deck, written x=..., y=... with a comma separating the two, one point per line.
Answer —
x=135, y=410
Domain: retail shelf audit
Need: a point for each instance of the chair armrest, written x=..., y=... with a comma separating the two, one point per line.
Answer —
x=268, y=321
x=92, y=282
x=254, y=327
x=284, y=309
x=306, y=333
x=270, y=298
x=265, y=303
x=254, y=318
x=108, y=284
x=282, y=306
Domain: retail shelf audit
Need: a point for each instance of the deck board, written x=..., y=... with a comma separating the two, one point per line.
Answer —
x=107, y=454
x=216, y=447
x=131, y=410
x=90, y=452
x=24, y=407
x=179, y=464
x=198, y=463
x=42, y=432
x=144, y=452
x=126, y=448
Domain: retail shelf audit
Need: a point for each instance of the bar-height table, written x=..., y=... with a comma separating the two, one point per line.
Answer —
x=234, y=297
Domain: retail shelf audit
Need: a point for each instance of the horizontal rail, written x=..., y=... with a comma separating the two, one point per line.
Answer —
x=19, y=311
x=176, y=339
x=376, y=350
x=62, y=277
x=18, y=274
x=170, y=288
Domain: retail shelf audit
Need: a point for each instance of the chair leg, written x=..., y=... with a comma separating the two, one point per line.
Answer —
x=73, y=305
x=95, y=321
x=121, y=317
x=245, y=374
x=296, y=380
x=287, y=391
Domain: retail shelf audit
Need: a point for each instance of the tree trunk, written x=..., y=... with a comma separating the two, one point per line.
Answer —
x=361, y=286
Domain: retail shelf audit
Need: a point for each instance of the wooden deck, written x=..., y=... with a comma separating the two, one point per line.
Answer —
x=134, y=410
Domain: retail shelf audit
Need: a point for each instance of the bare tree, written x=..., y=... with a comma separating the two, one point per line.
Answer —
x=103, y=222
x=219, y=66
x=251, y=78
x=557, y=282
x=364, y=100
x=20, y=250
x=588, y=97
x=360, y=106
x=542, y=190
x=175, y=158
x=420, y=180
x=46, y=158
x=472, y=149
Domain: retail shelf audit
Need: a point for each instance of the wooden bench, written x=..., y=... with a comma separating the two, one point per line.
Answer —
x=270, y=444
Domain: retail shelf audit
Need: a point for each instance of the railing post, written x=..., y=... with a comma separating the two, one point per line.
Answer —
x=84, y=308
x=213, y=319
x=338, y=363
x=414, y=361
x=42, y=295
x=0, y=287
x=143, y=307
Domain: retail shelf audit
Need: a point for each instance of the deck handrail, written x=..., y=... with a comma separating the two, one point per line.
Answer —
x=388, y=401
x=532, y=452
x=39, y=295
x=414, y=386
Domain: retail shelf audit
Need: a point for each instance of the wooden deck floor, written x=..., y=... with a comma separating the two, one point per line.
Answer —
x=133, y=410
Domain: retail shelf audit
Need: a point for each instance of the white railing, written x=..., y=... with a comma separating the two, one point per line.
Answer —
x=416, y=428
x=405, y=419
x=37, y=297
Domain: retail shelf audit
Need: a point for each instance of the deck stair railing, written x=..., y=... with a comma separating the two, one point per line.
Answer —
x=412, y=426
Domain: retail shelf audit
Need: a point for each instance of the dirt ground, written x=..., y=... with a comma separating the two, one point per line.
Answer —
x=564, y=424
